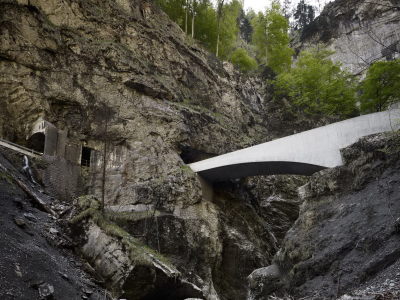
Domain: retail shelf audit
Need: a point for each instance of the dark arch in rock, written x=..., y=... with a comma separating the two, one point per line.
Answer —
x=37, y=142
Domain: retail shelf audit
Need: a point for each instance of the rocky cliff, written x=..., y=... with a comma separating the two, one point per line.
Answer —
x=345, y=242
x=122, y=80
x=121, y=73
x=359, y=31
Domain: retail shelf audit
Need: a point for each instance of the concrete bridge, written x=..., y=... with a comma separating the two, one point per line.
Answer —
x=301, y=154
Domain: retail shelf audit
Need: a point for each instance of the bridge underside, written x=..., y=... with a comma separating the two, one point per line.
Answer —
x=259, y=168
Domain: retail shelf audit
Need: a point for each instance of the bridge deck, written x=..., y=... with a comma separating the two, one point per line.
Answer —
x=304, y=153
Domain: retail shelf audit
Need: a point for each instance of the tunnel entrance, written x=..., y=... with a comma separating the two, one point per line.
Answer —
x=36, y=142
x=190, y=155
x=85, y=156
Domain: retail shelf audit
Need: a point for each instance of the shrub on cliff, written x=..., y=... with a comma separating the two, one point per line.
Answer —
x=316, y=85
x=381, y=87
x=241, y=59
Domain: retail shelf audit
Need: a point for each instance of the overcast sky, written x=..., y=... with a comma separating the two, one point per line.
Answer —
x=259, y=5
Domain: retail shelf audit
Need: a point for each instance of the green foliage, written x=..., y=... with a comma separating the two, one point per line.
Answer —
x=229, y=28
x=318, y=86
x=175, y=9
x=259, y=36
x=205, y=22
x=381, y=87
x=271, y=38
x=243, y=61
x=206, y=25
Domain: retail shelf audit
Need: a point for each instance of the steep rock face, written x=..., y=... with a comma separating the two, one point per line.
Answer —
x=359, y=31
x=114, y=70
x=347, y=235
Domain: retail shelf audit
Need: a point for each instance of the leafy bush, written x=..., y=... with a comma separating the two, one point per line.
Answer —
x=381, y=87
x=243, y=61
x=317, y=85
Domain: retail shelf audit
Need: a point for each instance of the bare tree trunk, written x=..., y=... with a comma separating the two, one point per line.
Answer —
x=186, y=16
x=219, y=15
x=193, y=20
x=216, y=52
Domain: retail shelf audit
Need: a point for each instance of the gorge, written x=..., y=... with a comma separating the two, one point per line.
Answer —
x=120, y=102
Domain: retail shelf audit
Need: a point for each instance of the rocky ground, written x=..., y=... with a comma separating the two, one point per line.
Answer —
x=37, y=257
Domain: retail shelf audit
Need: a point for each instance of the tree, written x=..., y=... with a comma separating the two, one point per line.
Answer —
x=193, y=10
x=303, y=15
x=271, y=38
x=243, y=61
x=317, y=85
x=286, y=8
x=229, y=28
x=245, y=26
x=103, y=115
x=177, y=10
x=220, y=5
x=206, y=25
x=381, y=87
x=216, y=29
x=186, y=15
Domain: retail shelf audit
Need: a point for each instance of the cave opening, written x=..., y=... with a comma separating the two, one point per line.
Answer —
x=37, y=141
x=190, y=155
x=85, y=156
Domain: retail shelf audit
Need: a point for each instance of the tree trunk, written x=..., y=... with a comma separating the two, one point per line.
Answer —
x=193, y=24
x=216, y=52
x=219, y=15
x=186, y=16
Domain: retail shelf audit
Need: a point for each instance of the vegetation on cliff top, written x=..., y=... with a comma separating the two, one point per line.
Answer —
x=313, y=83
x=318, y=86
x=381, y=86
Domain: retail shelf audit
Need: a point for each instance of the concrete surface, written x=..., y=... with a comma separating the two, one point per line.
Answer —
x=303, y=154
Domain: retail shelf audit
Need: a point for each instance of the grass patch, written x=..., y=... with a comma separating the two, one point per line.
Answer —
x=127, y=216
x=186, y=169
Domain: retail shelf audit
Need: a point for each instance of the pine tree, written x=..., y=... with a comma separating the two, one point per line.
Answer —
x=303, y=15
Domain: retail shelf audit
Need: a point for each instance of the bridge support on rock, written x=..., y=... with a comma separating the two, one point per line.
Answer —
x=301, y=154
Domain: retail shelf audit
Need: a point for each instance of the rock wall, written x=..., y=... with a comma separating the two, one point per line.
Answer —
x=346, y=238
x=104, y=72
x=359, y=31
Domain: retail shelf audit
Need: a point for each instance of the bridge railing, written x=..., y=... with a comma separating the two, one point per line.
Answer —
x=22, y=148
